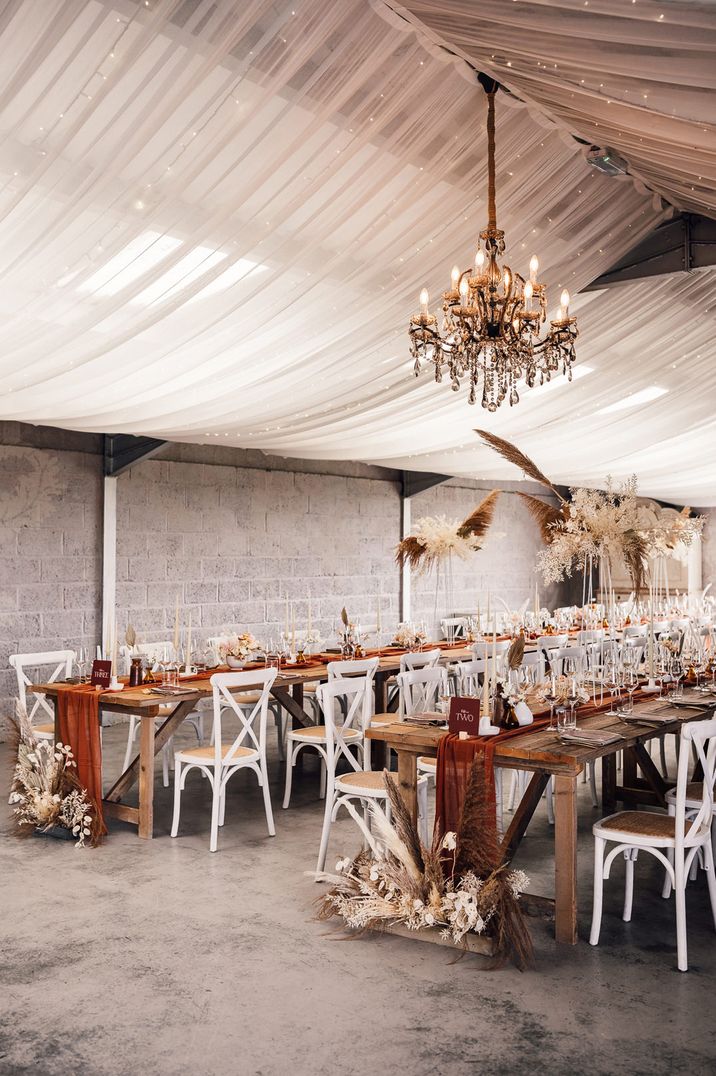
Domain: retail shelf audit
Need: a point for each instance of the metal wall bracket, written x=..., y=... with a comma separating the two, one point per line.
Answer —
x=686, y=242
x=419, y=481
x=121, y=450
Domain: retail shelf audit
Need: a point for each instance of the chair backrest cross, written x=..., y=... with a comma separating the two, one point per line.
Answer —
x=354, y=695
x=223, y=685
x=59, y=661
x=420, y=688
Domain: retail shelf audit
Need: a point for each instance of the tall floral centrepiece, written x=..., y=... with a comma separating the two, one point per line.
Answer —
x=492, y=317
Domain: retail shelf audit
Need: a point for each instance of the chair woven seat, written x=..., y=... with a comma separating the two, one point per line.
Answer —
x=204, y=754
x=694, y=794
x=44, y=730
x=318, y=732
x=370, y=781
x=640, y=824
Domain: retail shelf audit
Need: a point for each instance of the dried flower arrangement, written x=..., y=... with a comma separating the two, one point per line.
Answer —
x=397, y=880
x=409, y=636
x=666, y=532
x=592, y=524
x=436, y=538
x=45, y=792
x=238, y=646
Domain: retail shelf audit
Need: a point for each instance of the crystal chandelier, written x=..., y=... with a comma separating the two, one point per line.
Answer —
x=491, y=316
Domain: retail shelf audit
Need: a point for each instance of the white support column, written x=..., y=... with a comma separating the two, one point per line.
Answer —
x=109, y=561
x=405, y=575
x=695, y=569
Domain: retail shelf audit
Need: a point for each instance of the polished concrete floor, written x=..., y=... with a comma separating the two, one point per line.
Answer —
x=156, y=957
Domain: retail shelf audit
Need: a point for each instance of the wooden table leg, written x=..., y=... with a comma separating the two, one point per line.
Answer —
x=408, y=781
x=380, y=690
x=565, y=858
x=146, y=778
x=609, y=783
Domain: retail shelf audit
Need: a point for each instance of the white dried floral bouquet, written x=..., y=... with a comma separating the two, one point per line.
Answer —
x=458, y=886
x=45, y=791
x=238, y=646
x=409, y=636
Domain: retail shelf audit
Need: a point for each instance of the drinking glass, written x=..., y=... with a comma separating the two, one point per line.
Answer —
x=81, y=662
x=562, y=719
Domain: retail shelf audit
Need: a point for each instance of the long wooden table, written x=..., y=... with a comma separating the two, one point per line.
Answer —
x=287, y=689
x=542, y=753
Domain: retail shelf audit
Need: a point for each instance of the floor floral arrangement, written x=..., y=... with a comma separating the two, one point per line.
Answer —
x=458, y=886
x=45, y=794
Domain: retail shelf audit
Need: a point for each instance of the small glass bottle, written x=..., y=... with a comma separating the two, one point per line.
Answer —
x=136, y=673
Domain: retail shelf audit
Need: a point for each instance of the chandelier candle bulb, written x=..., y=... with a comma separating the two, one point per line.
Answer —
x=480, y=259
x=424, y=297
x=464, y=288
x=534, y=266
x=564, y=305
x=528, y=294
x=455, y=276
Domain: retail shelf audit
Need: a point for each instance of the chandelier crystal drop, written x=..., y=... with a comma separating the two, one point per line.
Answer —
x=492, y=317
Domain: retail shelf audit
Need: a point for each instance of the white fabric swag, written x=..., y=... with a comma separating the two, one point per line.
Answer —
x=215, y=219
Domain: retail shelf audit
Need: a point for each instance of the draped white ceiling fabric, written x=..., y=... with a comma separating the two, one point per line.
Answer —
x=215, y=219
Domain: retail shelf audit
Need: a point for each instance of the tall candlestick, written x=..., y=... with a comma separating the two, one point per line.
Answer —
x=486, y=687
x=494, y=667
x=176, y=625
x=115, y=670
x=378, y=622
x=187, y=656
x=488, y=610
x=651, y=633
x=293, y=629
x=310, y=619
x=287, y=624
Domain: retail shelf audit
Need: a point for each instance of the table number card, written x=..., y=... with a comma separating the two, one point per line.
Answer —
x=464, y=715
x=101, y=673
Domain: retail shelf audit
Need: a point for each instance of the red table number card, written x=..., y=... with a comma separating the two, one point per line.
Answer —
x=464, y=715
x=101, y=673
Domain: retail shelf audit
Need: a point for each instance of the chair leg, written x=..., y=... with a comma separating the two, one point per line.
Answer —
x=222, y=806
x=165, y=765
x=628, y=886
x=322, y=790
x=130, y=740
x=666, y=888
x=592, y=768
x=325, y=832
x=215, y=812
x=550, y=804
x=711, y=879
x=290, y=763
x=680, y=901
x=177, y=798
x=599, y=845
x=267, y=797
x=423, y=812
x=279, y=734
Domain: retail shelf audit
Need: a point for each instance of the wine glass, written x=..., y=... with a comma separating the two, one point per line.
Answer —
x=81, y=662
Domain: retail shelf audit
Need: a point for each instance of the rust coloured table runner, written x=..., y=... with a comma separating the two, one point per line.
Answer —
x=78, y=727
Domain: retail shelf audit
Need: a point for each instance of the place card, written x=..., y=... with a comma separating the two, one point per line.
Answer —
x=101, y=674
x=464, y=715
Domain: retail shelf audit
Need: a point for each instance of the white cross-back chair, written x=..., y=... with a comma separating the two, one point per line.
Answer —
x=468, y=676
x=546, y=645
x=675, y=839
x=360, y=672
x=420, y=689
x=222, y=760
x=484, y=649
x=60, y=662
x=419, y=659
x=453, y=627
x=340, y=741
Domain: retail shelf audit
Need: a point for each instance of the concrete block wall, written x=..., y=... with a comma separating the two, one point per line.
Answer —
x=232, y=543
x=50, y=554
x=505, y=566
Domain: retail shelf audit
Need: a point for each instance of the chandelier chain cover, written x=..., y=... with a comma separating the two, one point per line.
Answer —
x=492, y=317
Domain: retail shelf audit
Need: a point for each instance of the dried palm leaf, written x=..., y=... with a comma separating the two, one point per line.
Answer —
x=130, y=636
x=634, y=552
x=479, y=850
x=478, y=521
x=404, y=825
x=410, y=551
x=513, y=455
x=546, y=515
x=344, y=616
x=516, y=653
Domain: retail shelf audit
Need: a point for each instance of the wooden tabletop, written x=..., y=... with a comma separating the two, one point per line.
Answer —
x=542, y=749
